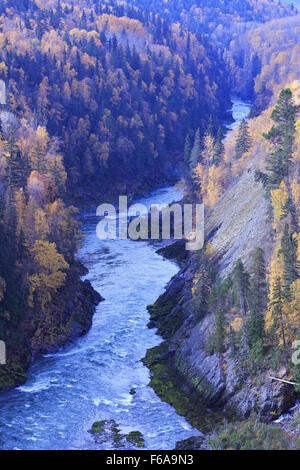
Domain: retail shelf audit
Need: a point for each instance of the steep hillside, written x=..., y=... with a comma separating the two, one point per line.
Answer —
x=120, y=92
x=264, y=59
x=224, y=335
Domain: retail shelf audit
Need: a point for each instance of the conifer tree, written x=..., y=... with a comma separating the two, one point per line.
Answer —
x=219, y=149
x=278, y=319
x=196, y=151
x=187, y=149
x=1, y=129
x=232, y=342
x=289, y=251
x=257, y=298
x=14, y=170
x=281, y=136
x=211, y=127
x=244, y=140
x=242, y=286
x=219, y=337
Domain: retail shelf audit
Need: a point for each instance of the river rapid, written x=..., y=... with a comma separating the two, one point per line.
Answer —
x=93, y=378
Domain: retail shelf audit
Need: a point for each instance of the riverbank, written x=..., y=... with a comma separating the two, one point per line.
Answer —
x=66, y=319
x=187, y=369
x=103, y=376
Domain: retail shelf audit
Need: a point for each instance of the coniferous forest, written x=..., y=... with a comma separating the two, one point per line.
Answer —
x=106, y=98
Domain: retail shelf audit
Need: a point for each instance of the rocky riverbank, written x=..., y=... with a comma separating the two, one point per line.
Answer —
x=66, y=318
x=185, y=373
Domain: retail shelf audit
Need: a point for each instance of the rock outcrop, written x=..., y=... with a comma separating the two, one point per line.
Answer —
x=236, y=225
x=40, y=332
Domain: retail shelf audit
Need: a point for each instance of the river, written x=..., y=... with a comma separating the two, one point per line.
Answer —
x=91, y=380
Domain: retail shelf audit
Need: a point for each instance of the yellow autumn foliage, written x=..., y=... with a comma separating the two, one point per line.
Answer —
x=49, y=273
x=279, y=198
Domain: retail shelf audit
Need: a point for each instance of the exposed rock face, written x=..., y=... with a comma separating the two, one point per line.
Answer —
x=193, y=443
x=39, y=332
x=237, y=224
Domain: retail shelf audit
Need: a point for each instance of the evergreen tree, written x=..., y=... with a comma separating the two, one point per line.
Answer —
x=219, y=338
x=242, y=287
x=278, y=320
x=211, y=127
x=281, y=137
x=243, y=141
x=219, y=149
x=1, y=129
x=257, y=298
x=289, y=251
x=196, y=151
x=232, y=342
x=187, y=149
x=14, y=168
x=201, y=294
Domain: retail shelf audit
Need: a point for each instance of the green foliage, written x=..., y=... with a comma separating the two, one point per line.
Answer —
x=121, y=92
x=257, y=299
x=281, y=137
x=196, y=151
x=201, y=292
x=243, y=141
x=241, y=285
x=219, y=149
x=252, y=435
x=288, y=249
x=219, y=338
x=277, y=315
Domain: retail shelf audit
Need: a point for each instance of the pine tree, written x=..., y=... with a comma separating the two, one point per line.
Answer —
x=201, y=291
x=242, y=286
x=257, y=298
x=219, y=149
x=282, y=137
x=289, y=251
x=196, y=151
x=277, y=314
x=187, y=149
x=1, y=130
x=243, y=141
x=211, y=127
x=219, y=337
x=14, y=167
x=232, y=342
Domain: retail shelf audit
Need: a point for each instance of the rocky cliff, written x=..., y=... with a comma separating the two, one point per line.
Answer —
x=237, y=224
x=65, y=319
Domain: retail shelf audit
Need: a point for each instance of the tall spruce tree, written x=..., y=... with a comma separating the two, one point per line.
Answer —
x=242, y=287
x=278, y=318
x=243, y=141
x=14, y=167
x=281, y=136
x=219, y=336
x=196, y=151
x=257, y=298
x=187, y=150
x=1, y=129
x=219, y=149
x=289, y=251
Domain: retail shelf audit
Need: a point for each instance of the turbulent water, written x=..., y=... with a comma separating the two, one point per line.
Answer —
x=92, y=379
x=240, y=110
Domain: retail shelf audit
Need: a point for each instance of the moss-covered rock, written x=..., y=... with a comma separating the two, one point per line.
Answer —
x=136, y=438
x=109, y=431
x=172, y=388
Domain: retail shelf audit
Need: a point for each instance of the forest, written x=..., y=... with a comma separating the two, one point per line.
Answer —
x=115, y=97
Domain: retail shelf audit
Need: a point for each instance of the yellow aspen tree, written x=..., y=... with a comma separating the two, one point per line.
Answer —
x=49, y=273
